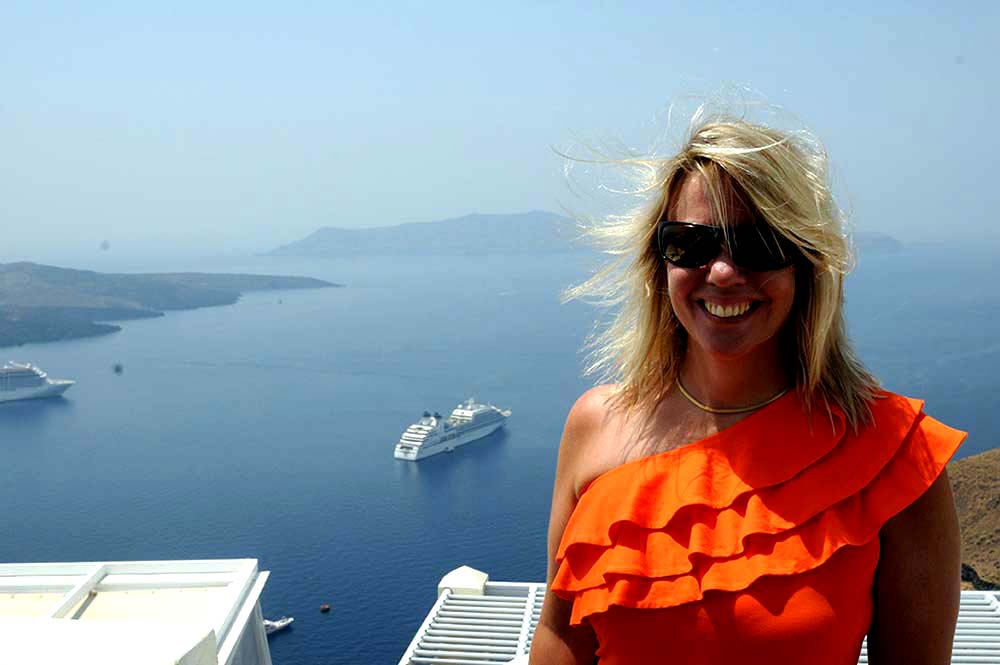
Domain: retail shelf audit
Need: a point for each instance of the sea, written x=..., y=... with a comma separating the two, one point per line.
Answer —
x=265, y=429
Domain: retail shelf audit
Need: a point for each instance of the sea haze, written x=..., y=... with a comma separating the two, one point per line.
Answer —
x=265, y=429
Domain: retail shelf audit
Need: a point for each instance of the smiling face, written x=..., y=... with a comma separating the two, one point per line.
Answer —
x=726, y=310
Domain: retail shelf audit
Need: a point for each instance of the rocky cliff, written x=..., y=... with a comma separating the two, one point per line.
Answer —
x=975, y=482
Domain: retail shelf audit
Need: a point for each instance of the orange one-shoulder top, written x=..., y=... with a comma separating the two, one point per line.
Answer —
x=758, y=544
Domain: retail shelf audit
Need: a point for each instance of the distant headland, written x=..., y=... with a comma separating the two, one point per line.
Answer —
x=41, y=303
x=535, y=232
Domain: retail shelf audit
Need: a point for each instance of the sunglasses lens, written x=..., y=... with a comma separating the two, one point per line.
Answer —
x=761, y=249
x=688, y=245
x=753, y=247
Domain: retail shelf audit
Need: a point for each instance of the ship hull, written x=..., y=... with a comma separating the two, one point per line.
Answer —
x=424, y=450
x=50, y=389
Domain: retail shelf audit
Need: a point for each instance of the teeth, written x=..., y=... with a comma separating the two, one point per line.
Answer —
x=726, y=311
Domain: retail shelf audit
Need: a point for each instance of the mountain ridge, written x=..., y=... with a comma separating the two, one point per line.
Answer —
x=531, y=232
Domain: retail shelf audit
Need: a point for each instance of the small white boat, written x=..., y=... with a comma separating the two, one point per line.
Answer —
x=277, y=624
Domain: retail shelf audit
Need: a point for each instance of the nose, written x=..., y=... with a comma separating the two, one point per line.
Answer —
x=723, y=272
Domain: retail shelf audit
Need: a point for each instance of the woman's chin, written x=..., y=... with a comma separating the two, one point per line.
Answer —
x=733, y=347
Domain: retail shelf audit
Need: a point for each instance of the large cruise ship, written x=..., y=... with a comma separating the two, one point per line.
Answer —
x=433, y=434
x=25, y=381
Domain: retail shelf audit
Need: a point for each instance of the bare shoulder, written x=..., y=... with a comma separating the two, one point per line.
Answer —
x=581, y=439
x=589, y=414
x=589, y=440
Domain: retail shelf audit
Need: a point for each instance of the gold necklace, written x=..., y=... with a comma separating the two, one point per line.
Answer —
x=714, y=409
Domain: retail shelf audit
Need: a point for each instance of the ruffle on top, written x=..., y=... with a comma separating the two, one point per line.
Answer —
x=778, y=493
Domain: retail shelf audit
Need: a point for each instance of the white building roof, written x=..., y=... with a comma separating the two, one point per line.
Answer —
x=134, y=612
x=495, y=624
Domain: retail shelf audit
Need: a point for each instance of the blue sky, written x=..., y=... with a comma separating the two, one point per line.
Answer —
x=180, y=128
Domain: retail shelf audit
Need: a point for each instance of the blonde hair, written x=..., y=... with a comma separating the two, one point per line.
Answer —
x=783, y=180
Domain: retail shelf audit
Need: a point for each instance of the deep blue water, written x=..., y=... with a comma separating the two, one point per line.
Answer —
x=265, y=429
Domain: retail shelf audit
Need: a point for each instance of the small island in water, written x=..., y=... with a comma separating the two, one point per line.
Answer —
x=40, y=303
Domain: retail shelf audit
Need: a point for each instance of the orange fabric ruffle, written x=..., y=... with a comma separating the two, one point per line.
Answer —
x=776, y=494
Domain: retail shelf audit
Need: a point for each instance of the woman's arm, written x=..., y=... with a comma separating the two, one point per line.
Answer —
x=917, y=588
x=555, y=641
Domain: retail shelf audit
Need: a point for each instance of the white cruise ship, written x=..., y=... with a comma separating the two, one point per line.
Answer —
x=433, y=434
x=25, y=381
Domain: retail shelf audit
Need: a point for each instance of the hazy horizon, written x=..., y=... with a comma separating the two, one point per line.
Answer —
x=231, y=130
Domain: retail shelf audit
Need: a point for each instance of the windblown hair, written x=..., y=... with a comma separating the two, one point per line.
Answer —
x=780, y=179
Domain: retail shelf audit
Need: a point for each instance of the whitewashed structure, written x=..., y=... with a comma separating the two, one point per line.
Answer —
x=475, y=621
x=478, y=622
x=133, y=613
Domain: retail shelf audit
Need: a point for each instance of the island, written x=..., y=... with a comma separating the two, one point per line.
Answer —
x=535, y=232
x=40, y=303
x=872, y=242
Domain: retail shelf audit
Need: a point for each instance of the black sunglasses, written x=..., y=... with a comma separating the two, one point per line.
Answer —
x=754, y=247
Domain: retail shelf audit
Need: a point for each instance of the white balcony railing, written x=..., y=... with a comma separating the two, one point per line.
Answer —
x=478, y=622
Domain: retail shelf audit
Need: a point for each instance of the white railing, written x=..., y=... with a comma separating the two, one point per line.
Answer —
x=497, y=625
x=467, y=629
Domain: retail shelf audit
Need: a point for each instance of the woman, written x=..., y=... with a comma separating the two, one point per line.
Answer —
x=745, y=492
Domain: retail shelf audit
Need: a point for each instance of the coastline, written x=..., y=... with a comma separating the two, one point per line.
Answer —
x=41, y=303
